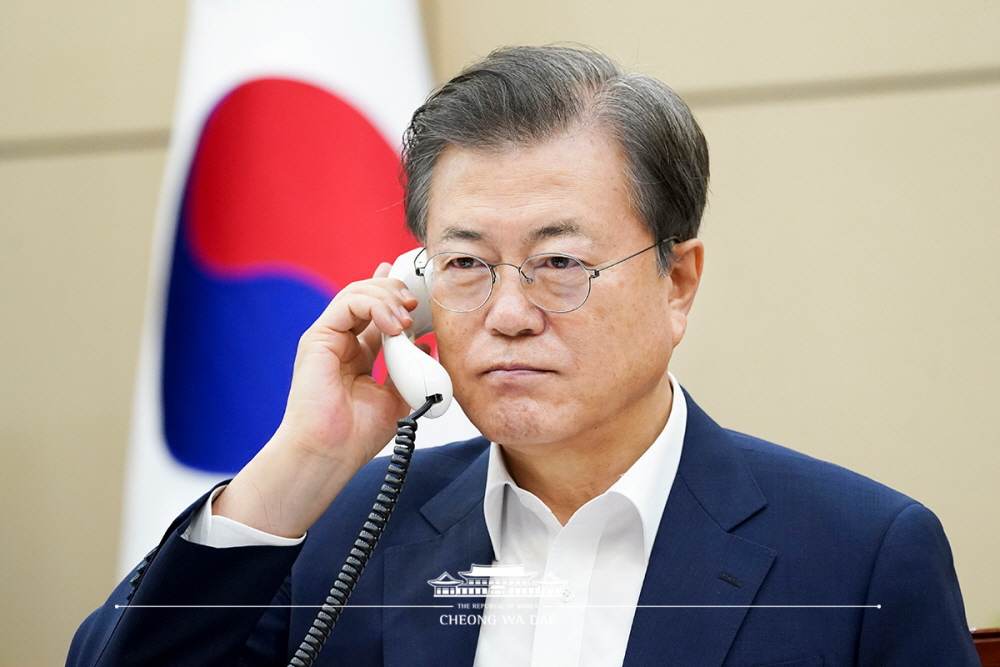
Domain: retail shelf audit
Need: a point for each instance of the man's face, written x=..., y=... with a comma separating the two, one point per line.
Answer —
x=527, y=377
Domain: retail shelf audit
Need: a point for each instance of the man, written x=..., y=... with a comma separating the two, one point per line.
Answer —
x=559, y=201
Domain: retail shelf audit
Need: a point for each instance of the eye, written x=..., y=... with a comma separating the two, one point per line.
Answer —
x=462, y=262
x=558, y=262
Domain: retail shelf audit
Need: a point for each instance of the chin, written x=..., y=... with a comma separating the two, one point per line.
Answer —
x=511, y=422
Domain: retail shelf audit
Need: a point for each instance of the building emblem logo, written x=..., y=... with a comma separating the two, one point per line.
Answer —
x=497, y=580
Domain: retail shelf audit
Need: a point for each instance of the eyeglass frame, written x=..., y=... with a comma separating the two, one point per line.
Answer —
x=524, y=279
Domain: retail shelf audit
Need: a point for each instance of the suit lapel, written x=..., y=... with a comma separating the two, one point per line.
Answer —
x=438, y=636
x=700, y=577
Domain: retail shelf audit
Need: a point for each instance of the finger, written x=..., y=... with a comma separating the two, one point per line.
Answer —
x=353, y=313
x=371, y=338
x=390, y=319
x=395, y=285
x=390, y=289
x=409, y=300
x=360, y=303
x=399, y=300
x=371, y=335
x=382, y=271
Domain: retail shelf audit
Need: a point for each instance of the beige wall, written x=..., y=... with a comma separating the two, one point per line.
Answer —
x=850, y=305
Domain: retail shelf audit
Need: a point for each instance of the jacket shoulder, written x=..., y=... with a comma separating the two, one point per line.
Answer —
x=787, y=472
x=823, y=512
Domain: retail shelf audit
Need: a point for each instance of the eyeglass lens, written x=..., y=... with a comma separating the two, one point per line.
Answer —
x=463, y=283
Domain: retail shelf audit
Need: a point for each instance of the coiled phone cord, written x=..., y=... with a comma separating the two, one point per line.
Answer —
x=351, y=571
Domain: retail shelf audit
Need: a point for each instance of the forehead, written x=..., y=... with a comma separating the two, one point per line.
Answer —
x=573, y=185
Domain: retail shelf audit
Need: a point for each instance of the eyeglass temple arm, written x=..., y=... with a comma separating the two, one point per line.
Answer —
x=597, y=272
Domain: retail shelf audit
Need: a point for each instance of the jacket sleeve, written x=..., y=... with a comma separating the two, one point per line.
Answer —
x=921, y=617
x=186, y=604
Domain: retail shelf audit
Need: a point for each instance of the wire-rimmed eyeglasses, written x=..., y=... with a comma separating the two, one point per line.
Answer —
x=554, y=282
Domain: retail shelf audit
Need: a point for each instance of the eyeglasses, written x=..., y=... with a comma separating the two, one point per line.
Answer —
x=558, y=283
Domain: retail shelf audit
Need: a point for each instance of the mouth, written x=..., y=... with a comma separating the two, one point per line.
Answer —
x=502, y=371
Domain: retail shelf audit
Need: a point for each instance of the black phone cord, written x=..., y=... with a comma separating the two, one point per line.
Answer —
x=351, y=571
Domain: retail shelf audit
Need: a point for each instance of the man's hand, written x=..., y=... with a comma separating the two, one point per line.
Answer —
x=337, y=417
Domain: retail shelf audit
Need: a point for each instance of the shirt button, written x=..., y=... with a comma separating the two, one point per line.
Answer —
x=567, y=593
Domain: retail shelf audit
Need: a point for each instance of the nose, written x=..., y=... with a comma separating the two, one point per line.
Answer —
x=509, y=311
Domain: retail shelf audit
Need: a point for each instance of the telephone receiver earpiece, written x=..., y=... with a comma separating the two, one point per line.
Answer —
x=417, y=375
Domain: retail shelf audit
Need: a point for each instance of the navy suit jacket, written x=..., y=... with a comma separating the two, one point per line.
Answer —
x=763, y=557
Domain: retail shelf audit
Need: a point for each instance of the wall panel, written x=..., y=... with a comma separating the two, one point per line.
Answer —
x=74, y=255
x=726, y=43
x=72, y=68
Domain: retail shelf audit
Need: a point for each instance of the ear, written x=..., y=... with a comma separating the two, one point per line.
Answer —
x=685, y=276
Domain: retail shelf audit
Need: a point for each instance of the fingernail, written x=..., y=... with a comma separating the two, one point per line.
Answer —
x=407, y=294
x=401, y=313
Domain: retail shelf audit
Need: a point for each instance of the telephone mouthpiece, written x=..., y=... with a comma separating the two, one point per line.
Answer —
x=417, y=375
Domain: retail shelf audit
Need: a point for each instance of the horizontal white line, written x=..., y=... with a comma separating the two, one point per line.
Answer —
x=281, y=606
x=444, y=606
x=759, y=606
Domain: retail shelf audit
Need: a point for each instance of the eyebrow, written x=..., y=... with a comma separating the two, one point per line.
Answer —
x=562, y=228
x=460, y=234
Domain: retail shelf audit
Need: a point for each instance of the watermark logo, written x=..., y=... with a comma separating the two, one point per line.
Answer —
x=497, y=580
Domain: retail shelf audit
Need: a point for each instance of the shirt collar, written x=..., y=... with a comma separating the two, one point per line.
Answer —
x=646, y=484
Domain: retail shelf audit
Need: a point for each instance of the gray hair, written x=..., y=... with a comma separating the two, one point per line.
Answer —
x=519, y=96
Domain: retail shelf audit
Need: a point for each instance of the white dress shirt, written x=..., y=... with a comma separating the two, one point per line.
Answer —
x=598, y=558
x=591, y=570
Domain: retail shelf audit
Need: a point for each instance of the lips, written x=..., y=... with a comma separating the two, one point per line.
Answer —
x=514, y=370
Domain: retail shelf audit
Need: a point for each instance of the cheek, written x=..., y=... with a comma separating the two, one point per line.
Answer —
x=453, y=340
x=446, y=350
x=631, y=340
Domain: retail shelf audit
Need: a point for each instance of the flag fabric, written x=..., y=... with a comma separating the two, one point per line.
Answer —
x=281, y=186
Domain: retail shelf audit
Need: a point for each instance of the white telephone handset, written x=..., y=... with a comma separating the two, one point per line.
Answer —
x=416, y=375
